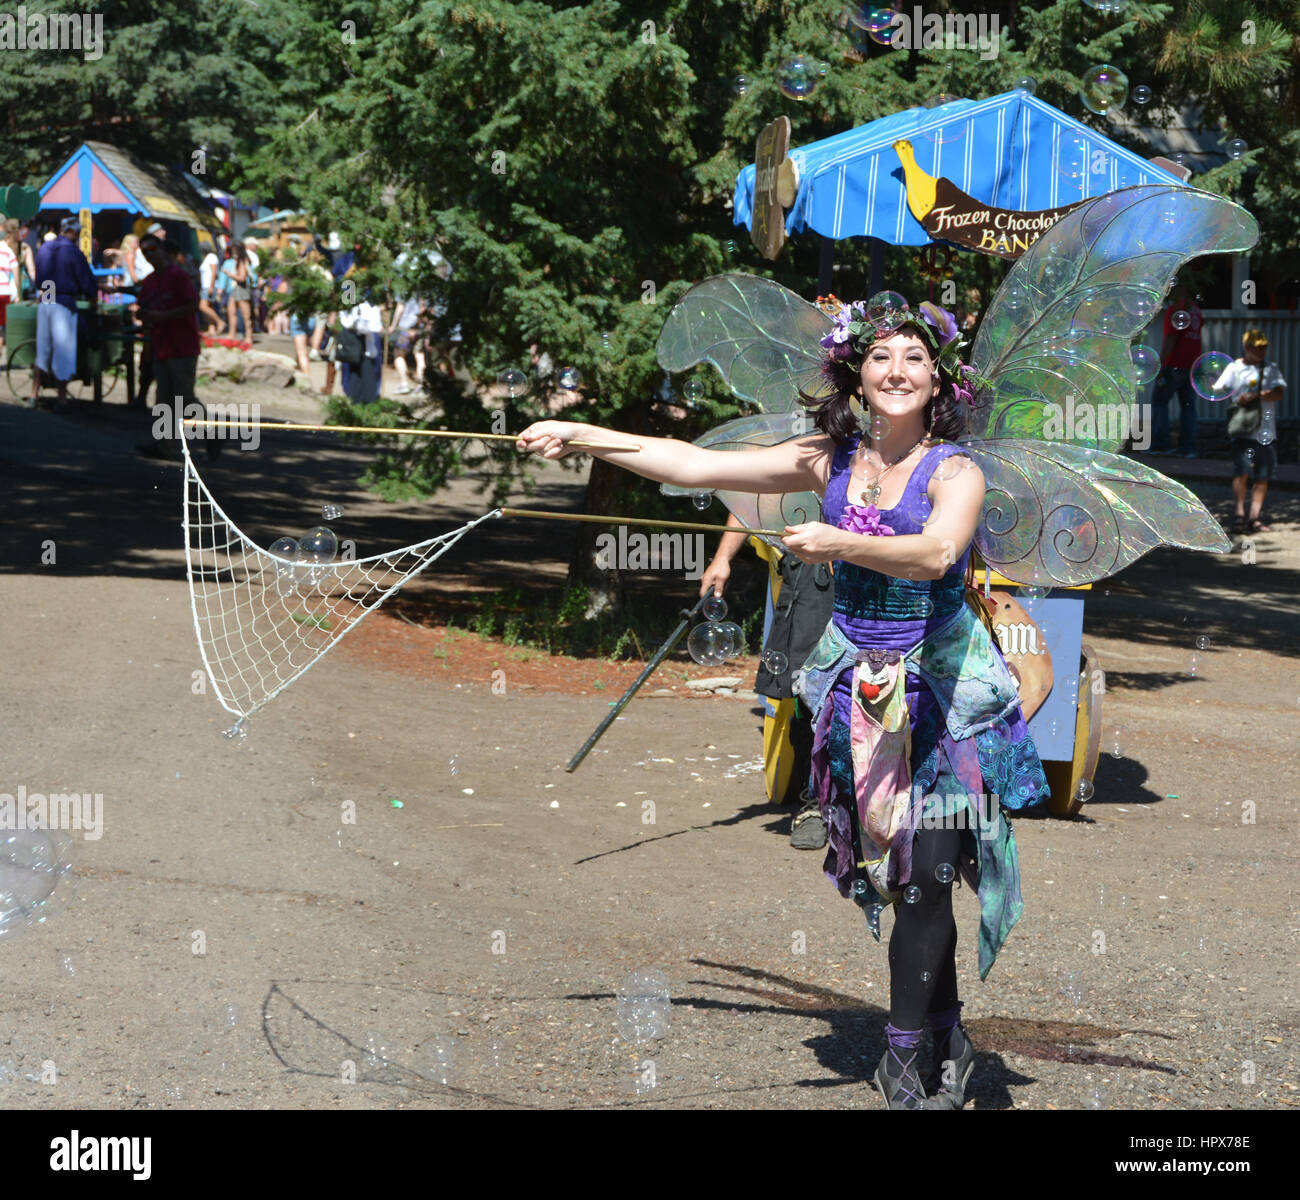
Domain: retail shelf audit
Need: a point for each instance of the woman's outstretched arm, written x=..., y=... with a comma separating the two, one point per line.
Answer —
x=799, y=465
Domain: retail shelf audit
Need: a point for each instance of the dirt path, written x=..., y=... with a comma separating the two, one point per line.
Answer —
x=502, y=903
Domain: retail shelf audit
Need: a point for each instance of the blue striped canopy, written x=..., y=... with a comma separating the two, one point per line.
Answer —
x=1010, y=151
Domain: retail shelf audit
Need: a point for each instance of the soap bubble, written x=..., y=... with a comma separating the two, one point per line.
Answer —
x=939, y=100
x=740, y=85
x=1180, y=319
x=887, y=311
x=1202, y=642
x=1236, y=148
x=1146, y=364
x=715, y=608
x=453, y=764
x=1027, y=83
x=879, y=426
x=926, y=976
x=869, y=17
x=1103, y=87
x=702, y=500
x=514, y=381
x=570, y=379
x=735, y=638
x=375, y=1049
x=945, y=872
x=1033, y=592
x=1083, y=791
x=331, y=512
x=1115, y=738
x=951, y=467
x=644, y=1005
x=776, y=662
x=709, y=644
x=1141, y=94
x=911, y=894
x=731, y=248
x=606, y=342
x=320, y=542
x=286, y=577
x=1072, y=157
x=860, y=887
x=1193, y=665
x=439, y=1058
x=693, y=390
x=32, y=864
x=1206, y=373
x=797, y=78
x=1073, y=987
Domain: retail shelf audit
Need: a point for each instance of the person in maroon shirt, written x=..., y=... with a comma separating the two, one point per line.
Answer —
x=1178, y=351
x=168, y=307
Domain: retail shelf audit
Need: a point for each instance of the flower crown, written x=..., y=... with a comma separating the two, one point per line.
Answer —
x=859, y=324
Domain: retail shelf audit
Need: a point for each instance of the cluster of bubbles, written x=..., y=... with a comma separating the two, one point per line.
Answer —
x=32, y=864
x=715, y=641
x=331, y=512
x=306, y=560
x=644, y=1005
x=1107, y=7
x=1102, y=88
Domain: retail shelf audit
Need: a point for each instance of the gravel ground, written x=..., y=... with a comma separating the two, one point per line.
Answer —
x=490, y=919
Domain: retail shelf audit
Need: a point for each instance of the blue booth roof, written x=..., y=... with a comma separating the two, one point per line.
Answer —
x=1009, y=151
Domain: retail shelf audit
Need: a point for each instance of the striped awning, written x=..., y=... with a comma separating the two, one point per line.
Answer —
x=1011, y=151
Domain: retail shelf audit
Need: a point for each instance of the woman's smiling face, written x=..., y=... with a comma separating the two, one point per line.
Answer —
x=898, y=375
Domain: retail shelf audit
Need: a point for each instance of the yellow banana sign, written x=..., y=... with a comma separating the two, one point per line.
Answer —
x=946, y=212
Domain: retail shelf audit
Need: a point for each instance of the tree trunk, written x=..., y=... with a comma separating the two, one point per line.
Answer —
x=604, y=585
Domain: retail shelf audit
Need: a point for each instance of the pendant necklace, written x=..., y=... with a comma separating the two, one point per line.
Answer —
x=871, y=491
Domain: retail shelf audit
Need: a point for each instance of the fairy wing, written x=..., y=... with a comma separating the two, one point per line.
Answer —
x=1061, y=515
x=763, y=339
x=773, y=510
x=1053, y=350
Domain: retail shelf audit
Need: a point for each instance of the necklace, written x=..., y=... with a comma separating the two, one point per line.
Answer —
x=871, y=491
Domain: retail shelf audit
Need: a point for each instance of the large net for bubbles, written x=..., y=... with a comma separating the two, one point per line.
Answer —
x=262, y=620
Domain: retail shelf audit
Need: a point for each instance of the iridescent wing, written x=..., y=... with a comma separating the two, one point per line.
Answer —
x=763, y=339
x=1054, y=346
x=1059, y=514
x=766, y=510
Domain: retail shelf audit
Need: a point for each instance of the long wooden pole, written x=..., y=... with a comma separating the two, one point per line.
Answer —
x=555, y=516
x=379, y=429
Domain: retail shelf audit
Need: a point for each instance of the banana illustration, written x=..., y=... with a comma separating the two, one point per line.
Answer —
x=946, y=212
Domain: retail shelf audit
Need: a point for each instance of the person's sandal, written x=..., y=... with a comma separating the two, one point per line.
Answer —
x=906, y=1091
x=951, y=1095
x=808, y=830
x=1239, y=524
x=1256, y=525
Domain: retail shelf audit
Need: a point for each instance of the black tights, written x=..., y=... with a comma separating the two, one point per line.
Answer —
x=923, y=944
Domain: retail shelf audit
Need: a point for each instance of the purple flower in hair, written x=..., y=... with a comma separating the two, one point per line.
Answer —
x=864, y=521
x=941, y=320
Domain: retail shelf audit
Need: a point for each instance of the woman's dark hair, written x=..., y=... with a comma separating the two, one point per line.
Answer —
x=238, y=252
x=944, y=416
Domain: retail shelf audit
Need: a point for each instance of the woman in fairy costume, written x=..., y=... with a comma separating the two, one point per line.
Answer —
x=920, y=741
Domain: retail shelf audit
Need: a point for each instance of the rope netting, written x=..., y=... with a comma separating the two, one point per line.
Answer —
x=263, y=620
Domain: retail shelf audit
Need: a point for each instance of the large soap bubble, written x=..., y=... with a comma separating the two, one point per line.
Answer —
x=1102, y=88
x=644, y=1005
x=1206, y=373
x=32, y=864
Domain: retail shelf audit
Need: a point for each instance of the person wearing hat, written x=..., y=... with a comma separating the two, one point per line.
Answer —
x=1255, y=387
x=62, y=276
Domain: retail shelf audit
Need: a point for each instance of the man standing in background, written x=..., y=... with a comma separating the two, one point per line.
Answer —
x=1179, y=350
x=62, y=276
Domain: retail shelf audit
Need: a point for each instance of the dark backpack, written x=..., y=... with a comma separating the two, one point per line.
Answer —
x=799, y=619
